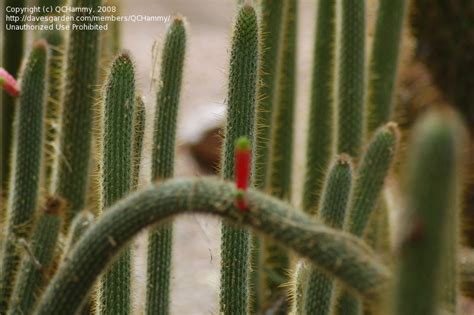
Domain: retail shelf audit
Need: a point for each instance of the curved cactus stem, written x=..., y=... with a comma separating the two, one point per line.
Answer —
x=339, y=254
x=235, y=242
x=116, y=173
x=160, y=239
x=432, y=189
x=34, y=268
x=25, y=183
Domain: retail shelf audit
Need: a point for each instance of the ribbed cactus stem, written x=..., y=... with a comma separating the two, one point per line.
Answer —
x=383, y=62
x=332, y=211
x=432, y=198
x=368, y=185
x=270, y=25
x=56, y=45
x=35, y=265
x=321, y=116
x=81, y=67
x=276, y=260
x=370, y=178
x=13, y=43
x=25, y=177
x=339, y=254
x=79, y=225
x=351, y=78
x=235, y=242
x=116, y=173
x=160, y=239
x=139, y=122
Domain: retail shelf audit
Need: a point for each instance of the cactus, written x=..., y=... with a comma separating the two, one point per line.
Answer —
x=26, y=166
x=320, y=133
x=275, y=258
x=235, y=242
x=35, y=265
x=116, y=173
x=81, y=222
x=11, y=58
x=339, y=254
x=332, y=212
x=79, y=97
x=351, y=78
x=433, y=177
x=383, y=62
x=160, y=240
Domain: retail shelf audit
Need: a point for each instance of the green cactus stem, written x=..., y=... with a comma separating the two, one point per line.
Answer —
x=25, y=178
x=13, y=41
x=384, y=62
x=432, y=190
x=370, y=177
x=271, y=12
x=81, y=222
x=339, y=254
x=139, y=122
x=79, y=98
x=275, y=258
x=56, y=44
x=116, y=173
x=160, y=239
x=351, y=78
x=332, y=211
x=321, y=116
x=235, y=242
x=34, y=268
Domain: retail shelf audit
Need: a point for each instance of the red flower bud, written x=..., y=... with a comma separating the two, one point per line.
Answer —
x=9, y=83
x=243, y=158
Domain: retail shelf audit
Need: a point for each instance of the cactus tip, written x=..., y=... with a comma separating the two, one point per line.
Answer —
x=242, y=143
x=54, y=205
x=343, y=159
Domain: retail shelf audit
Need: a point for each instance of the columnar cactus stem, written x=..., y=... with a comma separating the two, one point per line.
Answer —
x=235, y=242
x=383, y=62
x=321, y=117
x=34, y=268
x=79, y=99
x=351, y=78
x=139, y=122
x=270, y=26
x=160, y=239
x=432, y=188
x=276, y=260
x=25, y=179
x=339, y=254
x=369, y=182
x=333, y=208
x=56, y=44
x=12, y=55
x=116, y=173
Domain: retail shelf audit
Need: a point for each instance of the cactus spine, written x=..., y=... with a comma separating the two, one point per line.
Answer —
x=79, y=98
x=116, y=173
x=160, y=239
x=321, y=119
x=339, y=254
x=384, y=62
x=332, y=211
x=432, y=180
x=235, y=247
x=351, y=78
x=276, y=260
x=34, y=268
x=22, y=200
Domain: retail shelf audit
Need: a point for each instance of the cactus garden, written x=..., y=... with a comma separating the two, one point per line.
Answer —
x=378, y=223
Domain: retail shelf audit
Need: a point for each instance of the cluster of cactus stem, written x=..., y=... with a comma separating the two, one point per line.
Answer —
x=62, y=255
